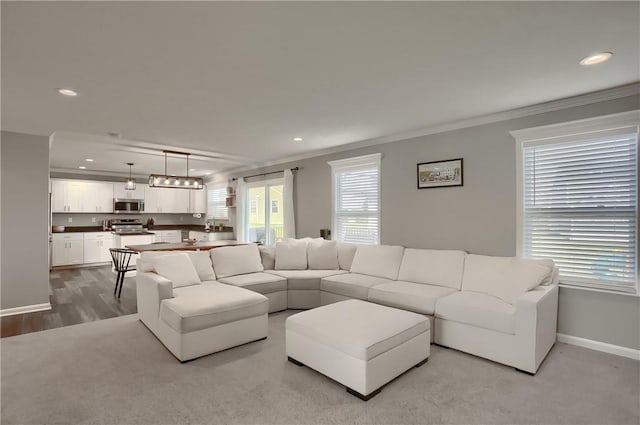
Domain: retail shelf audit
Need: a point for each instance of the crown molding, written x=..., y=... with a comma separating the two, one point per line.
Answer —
x=554, y=105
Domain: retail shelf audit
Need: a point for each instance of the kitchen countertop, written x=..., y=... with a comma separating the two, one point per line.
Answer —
x=182, y=246
x=194, y=227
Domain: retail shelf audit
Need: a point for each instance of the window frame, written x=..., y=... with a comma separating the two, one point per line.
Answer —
x=354, y=164
x=267, y=205
x=573, y=131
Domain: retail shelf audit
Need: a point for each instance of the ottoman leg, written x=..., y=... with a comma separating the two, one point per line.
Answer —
x=364, y=397
x=294, y=361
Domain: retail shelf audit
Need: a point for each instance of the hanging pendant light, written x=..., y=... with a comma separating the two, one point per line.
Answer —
x=175, y=182
x=130, y=183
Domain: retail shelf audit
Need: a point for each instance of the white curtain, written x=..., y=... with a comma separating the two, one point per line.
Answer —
x=241, y=213
x=289, y=213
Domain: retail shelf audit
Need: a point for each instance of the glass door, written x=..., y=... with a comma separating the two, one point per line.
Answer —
x=264, y=212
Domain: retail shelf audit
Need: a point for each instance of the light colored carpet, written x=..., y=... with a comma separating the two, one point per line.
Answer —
x=116, y=372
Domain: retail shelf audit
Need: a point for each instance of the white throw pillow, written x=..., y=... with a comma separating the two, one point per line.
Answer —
x=235, y=260
x=322, y=255
x=268, y=256
x=291, y=255
x=506, y=278
x=346, y=252
x=200, y=259
x=177, y=268
x=378, y=260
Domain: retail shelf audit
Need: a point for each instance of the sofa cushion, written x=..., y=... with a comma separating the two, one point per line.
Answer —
x=322, y=255
x=481, y=310
x=504, y=277
x=177, y=268
x=291, y=254
x=200, y=259
x=417, y=297
x=268, y=256
x=346, y=252
x=263, y=283
x=360, y=329
x=234, y=260
x=432, y=266
x=351, y=285
x=304, y=279
x=378, y=260
x=211, y=304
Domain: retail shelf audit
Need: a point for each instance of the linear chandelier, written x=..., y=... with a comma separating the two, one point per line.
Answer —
x=175, y=182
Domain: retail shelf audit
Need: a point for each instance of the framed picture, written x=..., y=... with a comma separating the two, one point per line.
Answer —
x=440, y=174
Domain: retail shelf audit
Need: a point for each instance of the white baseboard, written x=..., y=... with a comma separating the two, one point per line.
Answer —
x=25, y=309
x=600, y=346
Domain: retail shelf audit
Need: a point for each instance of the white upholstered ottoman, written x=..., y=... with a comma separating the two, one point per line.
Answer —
x=359, y=344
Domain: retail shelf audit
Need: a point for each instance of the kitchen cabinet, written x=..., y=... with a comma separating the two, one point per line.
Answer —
x=166, y=200
x=81, y=196
x=121, y=193
x=96, y=247
x=198, y=201
x=168, y=236
x=67, y=249
x=210, y=236
x=121, y=241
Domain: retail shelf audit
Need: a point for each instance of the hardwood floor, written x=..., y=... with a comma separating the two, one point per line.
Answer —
x=77, y=296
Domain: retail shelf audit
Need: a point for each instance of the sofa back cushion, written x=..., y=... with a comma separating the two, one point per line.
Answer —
x=268, y=256
x=200, y=259
x=378, y=260
x=233, y=260
x=346, y=252
x=291, y=254
x=503, y=277
x=177, y=268
x=322, y=255
x=433, y=267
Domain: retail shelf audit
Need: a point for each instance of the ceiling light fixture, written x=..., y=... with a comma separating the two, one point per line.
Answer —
x=67, y=92
x=82, y=167
x=173, y=181
x=89, y=160
x=130, y=183
x=596, y=58
x=297, y=139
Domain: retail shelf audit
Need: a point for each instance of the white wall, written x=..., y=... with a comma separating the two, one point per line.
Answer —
x=478, y=218
x=24, y=276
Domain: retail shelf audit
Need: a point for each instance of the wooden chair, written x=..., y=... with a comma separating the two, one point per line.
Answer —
x=121, y=262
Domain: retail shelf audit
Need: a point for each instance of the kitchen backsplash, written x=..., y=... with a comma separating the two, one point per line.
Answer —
x=87, y=219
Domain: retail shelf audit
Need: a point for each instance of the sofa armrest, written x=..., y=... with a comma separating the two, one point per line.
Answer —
x=151, y=289
x=536, y=324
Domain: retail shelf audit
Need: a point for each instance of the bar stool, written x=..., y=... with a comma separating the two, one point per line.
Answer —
x=121, y=258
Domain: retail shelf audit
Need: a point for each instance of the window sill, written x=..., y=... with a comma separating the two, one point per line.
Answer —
x=606, y=291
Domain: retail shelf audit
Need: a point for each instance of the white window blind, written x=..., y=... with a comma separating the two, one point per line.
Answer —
x=356, y=199
x=580, y=209
x=217, y=203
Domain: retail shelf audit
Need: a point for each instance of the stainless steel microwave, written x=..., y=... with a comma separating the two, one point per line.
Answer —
x=128, y=206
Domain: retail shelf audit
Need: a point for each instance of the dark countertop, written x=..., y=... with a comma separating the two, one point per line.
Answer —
x=194, y=227
x=182, y=246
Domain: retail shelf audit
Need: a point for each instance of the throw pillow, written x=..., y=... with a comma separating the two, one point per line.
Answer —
x=291, y=255
x=235, y=260
x=346, y=252
x=322, y=255
x=200, y=259
x=177, y=268
x=268, y=255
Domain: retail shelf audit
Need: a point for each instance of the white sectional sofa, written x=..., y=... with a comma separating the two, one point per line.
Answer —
x=500, y=308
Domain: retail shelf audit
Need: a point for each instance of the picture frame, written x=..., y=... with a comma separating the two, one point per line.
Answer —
x=436, y=174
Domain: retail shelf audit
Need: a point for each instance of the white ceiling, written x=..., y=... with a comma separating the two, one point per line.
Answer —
x=239, y=80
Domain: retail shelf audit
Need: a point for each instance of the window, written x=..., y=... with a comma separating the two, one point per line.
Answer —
x=578, y=200
x=217, y=203
x=265, y=219
x=356, y=199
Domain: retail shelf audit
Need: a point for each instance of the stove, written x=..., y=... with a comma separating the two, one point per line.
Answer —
x=128, y=226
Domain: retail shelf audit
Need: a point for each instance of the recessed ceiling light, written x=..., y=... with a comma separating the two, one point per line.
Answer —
x=82, y=167
x=596, y=58
x=206, y=174
x=297, y=139
x=89, y=160
x=192, y=169
x=68, y=92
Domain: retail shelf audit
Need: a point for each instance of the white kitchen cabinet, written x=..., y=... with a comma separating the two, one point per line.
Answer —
x=166, y=200
x=121, y=193
x=96, y=247
x=168, y=236
x=98, y=197
x=121, y=241
x=81, y=196
x=67, y=249
x=210, y=236
x=198, y=201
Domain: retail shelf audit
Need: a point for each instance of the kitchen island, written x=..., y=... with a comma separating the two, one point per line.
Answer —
x=198, y=246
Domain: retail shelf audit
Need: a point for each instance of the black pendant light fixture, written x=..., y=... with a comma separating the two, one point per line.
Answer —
x=175, y=182
x=130, y=183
